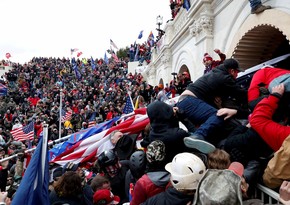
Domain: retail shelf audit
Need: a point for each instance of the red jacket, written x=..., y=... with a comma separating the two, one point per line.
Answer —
x=145, y=187
x=264, y=76
x=261, y=121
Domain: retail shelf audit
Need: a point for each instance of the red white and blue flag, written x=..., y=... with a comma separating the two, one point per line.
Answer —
x=86, y=150
x=73, y=50
x=92, y=120
x=24, y=133
x=129, y=107
x=113, y=44
x=66, y=115
x=3, y=89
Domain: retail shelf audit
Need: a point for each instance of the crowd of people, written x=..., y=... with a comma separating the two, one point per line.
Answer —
x=224, y=132
x=232, y=137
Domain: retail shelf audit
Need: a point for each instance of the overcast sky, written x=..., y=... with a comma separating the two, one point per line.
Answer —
x=52, y=27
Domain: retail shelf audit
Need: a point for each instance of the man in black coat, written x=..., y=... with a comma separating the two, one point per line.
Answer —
x=164, y=124
x=198, y=102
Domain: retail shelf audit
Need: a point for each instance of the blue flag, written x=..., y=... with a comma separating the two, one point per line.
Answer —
x=128, y=108
x=93, y=64
x=81, y=135
x=106, y=59
x=3, y=89
x=33, y=188
x=140, y=34
x=76, y=69
x=186, y=4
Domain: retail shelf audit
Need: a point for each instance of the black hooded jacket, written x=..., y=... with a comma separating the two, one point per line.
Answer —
x=217, y=82
x=170, y=197
x=165, y=127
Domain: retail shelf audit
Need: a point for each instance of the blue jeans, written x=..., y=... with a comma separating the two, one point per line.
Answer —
x=255, y=3
x=201, y=113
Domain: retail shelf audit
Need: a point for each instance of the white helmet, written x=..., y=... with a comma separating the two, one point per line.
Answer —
x=186, y=170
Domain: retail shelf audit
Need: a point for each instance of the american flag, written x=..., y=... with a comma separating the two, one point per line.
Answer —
x=3, y=90
x=24, y=133
x=115, y=56
x=92, y=120
x=128, y=108
x=86, y=150
x=113, y=44
x=73, y=50
x=66, y=115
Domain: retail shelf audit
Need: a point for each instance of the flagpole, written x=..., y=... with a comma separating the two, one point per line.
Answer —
x=32, y=149
x=60, y=109
x=56, y=141
x=44, y=149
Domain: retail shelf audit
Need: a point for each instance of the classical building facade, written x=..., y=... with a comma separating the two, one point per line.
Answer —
x=224, y=24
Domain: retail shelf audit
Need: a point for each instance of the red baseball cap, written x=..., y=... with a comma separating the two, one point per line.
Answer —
x=206, y=57
x=107, y=196
x=237, y=168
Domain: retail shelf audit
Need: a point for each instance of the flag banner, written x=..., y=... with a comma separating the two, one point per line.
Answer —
x=115, y=56
x=66, y=115
x=92, y=120
x=23, y=133
x=60, y=149
x=79, y=54
x=113, y=44
x=106, y=58
x=84, y=61
x=8, y=55
x=76, y=69
x=33, y=188
x=3, y=90
x=186, y=4
x=150, y=40
x=140, y=34
x=73, y=50
x=128, y=108
x=93, y=64
x=137, y=103
x=86, y=150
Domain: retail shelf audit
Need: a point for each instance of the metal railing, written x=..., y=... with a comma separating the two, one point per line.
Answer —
x=268, y=196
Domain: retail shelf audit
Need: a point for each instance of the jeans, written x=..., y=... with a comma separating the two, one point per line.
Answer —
x=255, y=3
x=201, y=113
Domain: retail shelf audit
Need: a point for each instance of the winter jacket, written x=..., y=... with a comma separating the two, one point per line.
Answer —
x=165, y=127
x=149, y=185
x=278, y=167
x=55, y=199
x=262, y=78
x=170, y=197
x=261, y=121
x=217, y=82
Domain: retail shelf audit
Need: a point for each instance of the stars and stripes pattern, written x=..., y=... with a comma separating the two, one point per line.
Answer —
x=3, y=89
x=92, y=120
x=24, y=133
x=113, y=44
x=128, y=108
x=66, y=115
x=85, y=151
x=73, y=50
